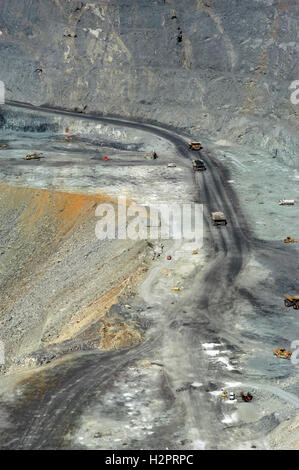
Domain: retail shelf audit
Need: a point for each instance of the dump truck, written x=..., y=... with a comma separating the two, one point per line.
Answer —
x=218, y=218
x=290, y=240
x=33, y=156
x=198, y=165
x=195, y=146
x=282, y=353
x=290, y=301
x=153, y=155
x=286, y=202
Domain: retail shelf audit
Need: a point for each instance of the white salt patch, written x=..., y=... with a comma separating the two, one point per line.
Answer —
x=212, y=353
x=230, y=419
x=95, y=32
x=196, y=384
x=199, y=445
x=227, y=420
x=233, y=384
x=210, y=345
x=225, y=361
x=216, y=392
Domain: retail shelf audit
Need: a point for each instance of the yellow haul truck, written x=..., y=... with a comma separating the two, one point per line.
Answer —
x=218, y=218
x=195, y=146
x=291, y=301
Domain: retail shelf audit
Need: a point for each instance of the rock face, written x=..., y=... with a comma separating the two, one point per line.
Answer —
x=57, y=277
x=219, y=68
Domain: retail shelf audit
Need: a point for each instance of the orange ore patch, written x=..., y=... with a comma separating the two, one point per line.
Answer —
x=60, y=209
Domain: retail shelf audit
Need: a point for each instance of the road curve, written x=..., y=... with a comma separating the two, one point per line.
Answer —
x=44, y=421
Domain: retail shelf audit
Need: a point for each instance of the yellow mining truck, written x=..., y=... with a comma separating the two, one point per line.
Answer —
x=33, y=156
x=218, y=218
x=198, y=165
x=195, y=146
x=291, y=301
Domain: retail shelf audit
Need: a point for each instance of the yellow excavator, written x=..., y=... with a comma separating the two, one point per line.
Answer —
x=290, y=240
x=282, y=353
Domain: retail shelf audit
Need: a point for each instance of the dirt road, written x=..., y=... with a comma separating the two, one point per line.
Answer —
x=204, y=312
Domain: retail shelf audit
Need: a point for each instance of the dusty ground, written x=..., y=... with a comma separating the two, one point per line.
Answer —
x=57, y=278
x=217, y=332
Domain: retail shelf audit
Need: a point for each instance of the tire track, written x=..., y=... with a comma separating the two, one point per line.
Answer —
x=59, y=409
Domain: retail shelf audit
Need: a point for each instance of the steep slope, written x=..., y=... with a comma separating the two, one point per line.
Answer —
x=57, y=278
x=216, y=67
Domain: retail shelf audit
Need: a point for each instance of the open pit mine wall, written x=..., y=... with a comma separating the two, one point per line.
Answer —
x=218, y=68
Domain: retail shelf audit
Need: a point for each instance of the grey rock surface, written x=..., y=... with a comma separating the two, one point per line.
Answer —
x=219, y=68
x=220, y=71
